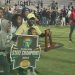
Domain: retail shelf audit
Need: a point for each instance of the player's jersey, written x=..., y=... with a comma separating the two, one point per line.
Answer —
x=23, y=29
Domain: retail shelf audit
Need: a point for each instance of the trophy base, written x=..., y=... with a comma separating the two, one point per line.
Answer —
x=53, y=46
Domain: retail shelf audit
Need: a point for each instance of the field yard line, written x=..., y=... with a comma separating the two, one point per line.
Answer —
x=69, y=48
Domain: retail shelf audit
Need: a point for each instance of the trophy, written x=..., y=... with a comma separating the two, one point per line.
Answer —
x=48, y=39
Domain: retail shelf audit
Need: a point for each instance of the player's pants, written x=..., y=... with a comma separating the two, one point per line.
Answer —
x=22, y=71
x=71, y=31
x=63, y=21
x=44, y=20
x=5, y=64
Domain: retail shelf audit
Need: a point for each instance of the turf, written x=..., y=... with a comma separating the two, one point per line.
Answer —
x=58, y=61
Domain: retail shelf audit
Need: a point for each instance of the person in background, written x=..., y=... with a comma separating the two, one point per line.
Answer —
x=63, y=14
x=72, y=24
x=53, y=17
x=7, y=14
x=70, y=5
x=53, y=5
x=23, y=29
x=5, y=45
x=44, y=19
x=40, y=16
x=25, y=12
x=16, y=22
x=48, y=16
x=69, y=13
x=68, y=16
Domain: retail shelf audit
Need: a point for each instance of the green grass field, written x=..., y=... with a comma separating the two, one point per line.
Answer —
x=59, y=61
